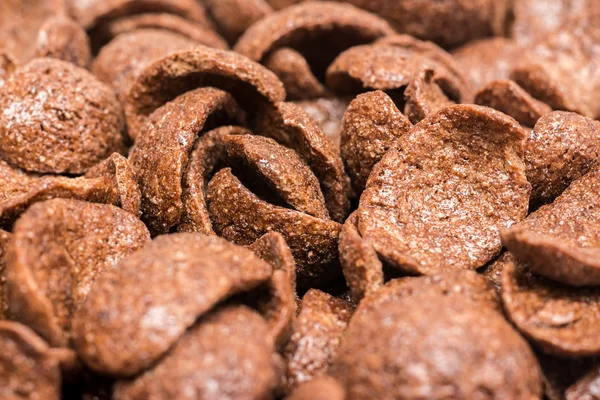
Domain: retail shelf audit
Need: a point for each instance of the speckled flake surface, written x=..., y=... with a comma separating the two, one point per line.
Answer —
x=299, y=199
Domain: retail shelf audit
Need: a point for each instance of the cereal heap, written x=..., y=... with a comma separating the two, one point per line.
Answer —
x=303, y=200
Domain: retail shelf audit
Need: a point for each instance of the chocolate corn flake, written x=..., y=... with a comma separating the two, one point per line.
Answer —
x=386, y=352
x=464, y=284
x=316, y=336
x=361, y=266
x=232, y=24
x=110, y=182
x=278, y=302
x=20, y=22
x=372, y=125
x=69, y=123
x=559, y=319
x=326, y=20
x=560, y=149
x=431, y=194
x=488, y=60
x=225, y=355
x=62, y=38
x=57, y=251
x=508, y=97
x=120, y=61
x=535, y=19
x=198, y=33
x=447, y=23
x=28, y=369
x=160, y=155
x=92, y=13
x=562, y=69
x=392, y=63
x=240, y=216
x=250, y=83
x=561, y=241
x=291, y=126
x=292, y=68
x=124, y=327
x=425, y=95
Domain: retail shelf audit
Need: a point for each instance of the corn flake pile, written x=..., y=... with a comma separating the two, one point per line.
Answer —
x=303, y=200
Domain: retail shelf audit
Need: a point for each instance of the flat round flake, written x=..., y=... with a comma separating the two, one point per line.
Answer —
x=110, y=182
x=561, y=241
x=477, y=353
x=28, y=367
x=69, y=123
x=58, y=249
x=559, y=319
x=226, y=355
x=124, y=327
x=439, y=200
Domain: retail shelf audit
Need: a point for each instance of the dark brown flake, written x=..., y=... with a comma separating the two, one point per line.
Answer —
x=120, y=62
x=461, y=351
x=59, y=248
x=225, y=355
x=562, y=147
x=488, y=60
x=58, y=118
x=277, y=299
x=361, y=266
x=439, y=200
x=559, y=319
x=561, y=241
x=110, y=182
x=62, y=38
x=28, y=368
x=240, y=216
x=93, y=13
x=316, y=336
x=563, y=68
x=250, y=83
x=124, y=326
x=508, y=97
x=425, y=95
x=372, y=125
x=233, y=17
